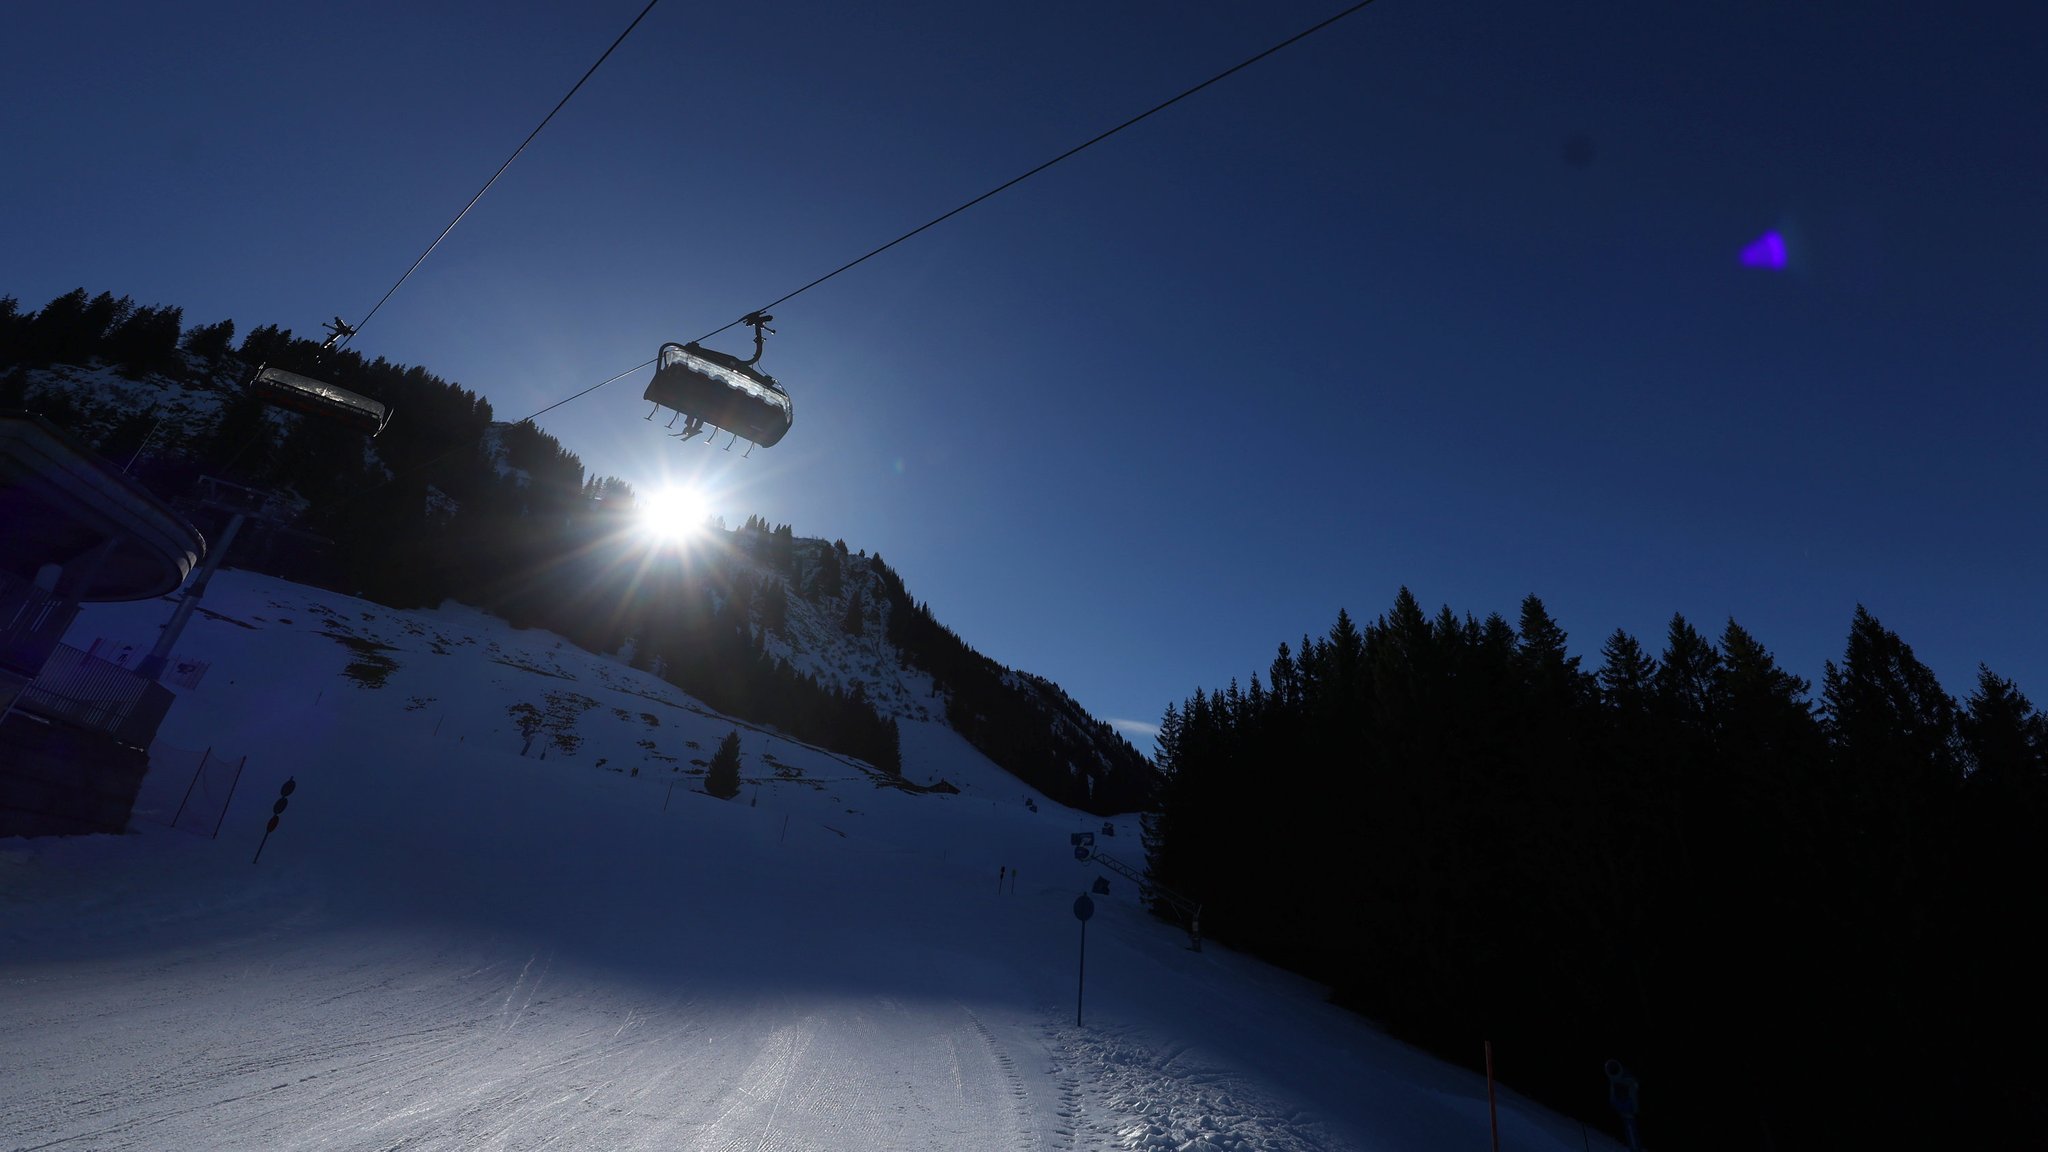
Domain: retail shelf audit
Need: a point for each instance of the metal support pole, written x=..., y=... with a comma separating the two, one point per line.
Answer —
x=152, y=666
x=1082, y=987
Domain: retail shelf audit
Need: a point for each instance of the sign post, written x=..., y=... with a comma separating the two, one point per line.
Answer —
x=276, y=810
x=1083, y=909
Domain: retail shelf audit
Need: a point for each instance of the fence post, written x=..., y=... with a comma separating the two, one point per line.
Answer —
x=192, y=785
x=231, y=796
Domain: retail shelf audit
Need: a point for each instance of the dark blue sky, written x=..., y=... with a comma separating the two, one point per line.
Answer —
x=1361, y=316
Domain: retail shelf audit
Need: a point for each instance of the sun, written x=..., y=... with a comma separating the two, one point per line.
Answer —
x=673, y=513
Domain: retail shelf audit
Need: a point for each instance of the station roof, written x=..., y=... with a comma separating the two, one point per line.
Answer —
x=60, y=501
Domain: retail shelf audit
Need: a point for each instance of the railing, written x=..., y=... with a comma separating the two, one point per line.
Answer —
x=87, y=692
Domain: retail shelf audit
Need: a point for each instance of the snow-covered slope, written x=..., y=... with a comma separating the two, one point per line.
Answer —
x=98, y=397
x=453, y=942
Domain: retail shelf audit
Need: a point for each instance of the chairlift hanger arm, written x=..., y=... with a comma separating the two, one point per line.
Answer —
x=760, y=322
x=338, y=330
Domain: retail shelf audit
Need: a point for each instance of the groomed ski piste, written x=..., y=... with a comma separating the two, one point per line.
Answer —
x=460, y=938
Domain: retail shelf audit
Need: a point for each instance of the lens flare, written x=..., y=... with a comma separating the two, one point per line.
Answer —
x=673, y=513
x=1766, y=251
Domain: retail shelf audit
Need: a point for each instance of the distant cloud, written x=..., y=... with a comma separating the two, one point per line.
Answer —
x=1135, y=728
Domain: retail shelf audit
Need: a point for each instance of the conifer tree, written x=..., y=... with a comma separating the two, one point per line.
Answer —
x=722, y=778
x=825, y=579
x=1887, y=713
x=211, y=342
x=1627, y=674
x=773, y=602
x=1541, y=654
x=146, y=340
x=266, y=344
x=890, y=754
x=1765, y=720
x=56, y=333
x=1346, y=663
x=1686, y=677
x=1897, y=769
x=102, y=315
x=12, y=324
x=2004, y=738
x=738, y=609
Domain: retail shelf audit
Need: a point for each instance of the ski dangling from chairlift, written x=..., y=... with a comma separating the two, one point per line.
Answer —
x=319, y=398
x=710, y=389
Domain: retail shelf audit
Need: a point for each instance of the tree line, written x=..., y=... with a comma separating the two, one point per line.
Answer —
x=1800, y=922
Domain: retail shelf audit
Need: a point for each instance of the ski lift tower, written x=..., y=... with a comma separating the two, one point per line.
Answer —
x=239, y=505
x=316, y=398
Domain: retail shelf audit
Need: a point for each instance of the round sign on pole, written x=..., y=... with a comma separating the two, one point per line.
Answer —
x=280, y=806
x=289, y=784
x=271, y=828
x=1083, y=908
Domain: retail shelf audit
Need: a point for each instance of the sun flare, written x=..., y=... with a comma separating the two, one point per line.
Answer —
x=673, y=513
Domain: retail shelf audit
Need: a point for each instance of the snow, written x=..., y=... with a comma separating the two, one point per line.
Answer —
x=103, y=397
x=448, y=944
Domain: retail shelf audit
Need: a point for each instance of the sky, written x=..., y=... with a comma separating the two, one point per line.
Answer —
x=1449, y=295
x=451, y=941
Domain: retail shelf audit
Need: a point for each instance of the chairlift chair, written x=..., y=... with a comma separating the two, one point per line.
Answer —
x=319, y=398
x=709, y=388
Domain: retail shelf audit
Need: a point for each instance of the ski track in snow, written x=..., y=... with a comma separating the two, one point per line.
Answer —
x=354, y=1043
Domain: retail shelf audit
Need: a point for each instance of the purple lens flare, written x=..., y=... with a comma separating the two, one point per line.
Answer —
x=1766, y=251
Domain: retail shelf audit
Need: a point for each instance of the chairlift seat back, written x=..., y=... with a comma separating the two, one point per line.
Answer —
x=319, y=398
